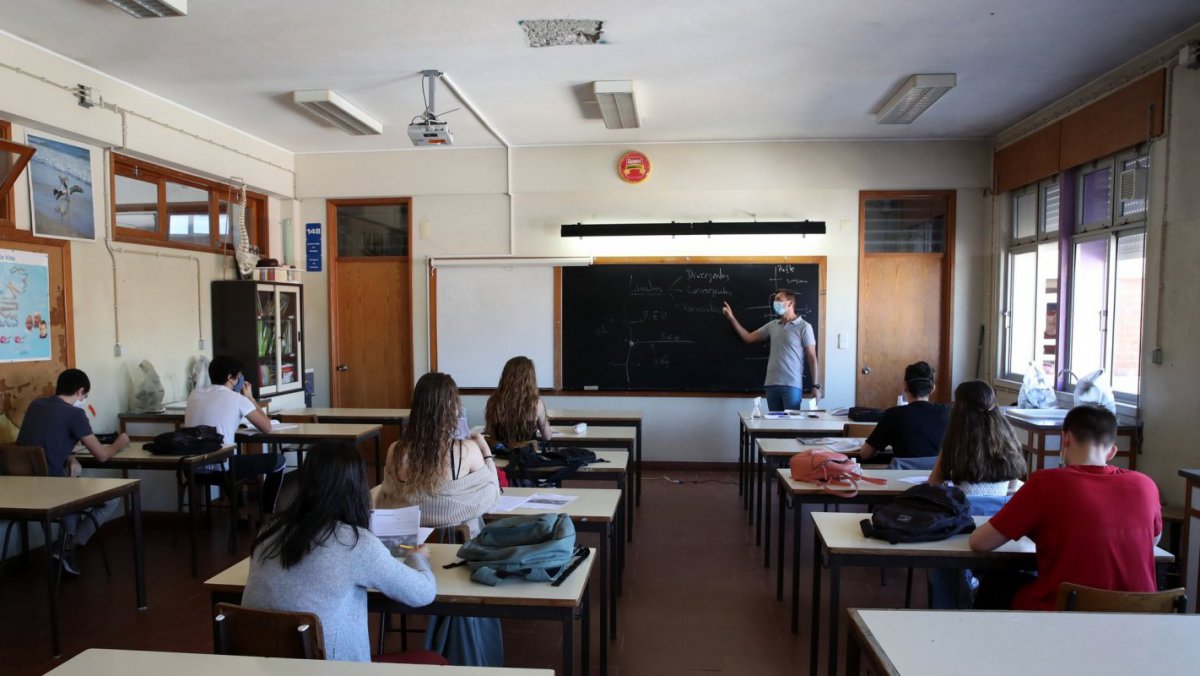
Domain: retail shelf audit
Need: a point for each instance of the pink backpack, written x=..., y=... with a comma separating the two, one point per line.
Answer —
x=829, y=469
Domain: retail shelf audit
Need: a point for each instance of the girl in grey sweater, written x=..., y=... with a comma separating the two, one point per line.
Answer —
x=317, y=555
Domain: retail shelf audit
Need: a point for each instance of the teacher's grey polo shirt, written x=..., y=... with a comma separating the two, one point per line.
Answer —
x=785, y=366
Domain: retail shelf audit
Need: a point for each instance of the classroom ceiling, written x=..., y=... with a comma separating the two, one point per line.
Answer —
x=706, y=70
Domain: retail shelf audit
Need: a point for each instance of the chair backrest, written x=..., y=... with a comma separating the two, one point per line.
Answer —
x=298, y=418
x=22, y=461
x=1091, y=600
x=267, y=633
x=913, y=463
x=859, y=430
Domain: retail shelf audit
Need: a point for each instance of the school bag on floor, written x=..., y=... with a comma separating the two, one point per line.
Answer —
x=836, y=473
x=537, y=548
x=923, y=513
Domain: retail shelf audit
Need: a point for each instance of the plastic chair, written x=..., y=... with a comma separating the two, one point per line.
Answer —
x=31, y=461
x=1076, y=597
x=252, y=632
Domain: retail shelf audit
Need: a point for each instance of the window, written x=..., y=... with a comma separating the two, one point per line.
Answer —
x=905, y=225
x=372, y=230
x=156, y=205
x=1102, y=233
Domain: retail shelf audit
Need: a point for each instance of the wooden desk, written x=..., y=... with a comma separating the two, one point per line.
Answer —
x=457, y=595
x=775, y=452
x=101, y=662
x=310, y=433
x=840, y=543
x=750, y=465
x=135, y=456
x=45, y=499
x=995, y=643
x=1037, y=432
x=375, y=416
x=602, y=418
x=804, y=493
x=1190, y=549
x=593, y=510
x=624, y=438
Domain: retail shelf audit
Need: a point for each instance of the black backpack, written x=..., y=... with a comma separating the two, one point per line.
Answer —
x=187, y=441
x=923, y=513
x=529, y=466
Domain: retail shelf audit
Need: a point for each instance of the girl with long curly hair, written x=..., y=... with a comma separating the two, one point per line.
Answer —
x=450, y=476
x=514, y=412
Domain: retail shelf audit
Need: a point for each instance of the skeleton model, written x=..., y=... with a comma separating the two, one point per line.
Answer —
x=244, y=253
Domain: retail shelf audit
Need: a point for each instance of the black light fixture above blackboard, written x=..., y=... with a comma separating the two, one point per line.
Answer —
x=699, y=228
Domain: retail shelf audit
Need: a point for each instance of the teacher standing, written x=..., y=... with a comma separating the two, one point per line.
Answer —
x=792, y=344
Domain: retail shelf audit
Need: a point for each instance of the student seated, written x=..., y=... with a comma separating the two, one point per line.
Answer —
x=318, y=555
x=1093, y=524
x=982, y=456
x=450, y=475
x=915, y=430
x=514, y=412
x=222, y=405
x=57, y=424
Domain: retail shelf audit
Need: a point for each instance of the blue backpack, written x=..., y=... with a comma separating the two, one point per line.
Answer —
x=538, y=548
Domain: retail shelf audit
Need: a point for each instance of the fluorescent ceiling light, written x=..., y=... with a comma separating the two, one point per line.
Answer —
x=151, y=9
x=327, y=105
x=914, y=97
x=617, y=104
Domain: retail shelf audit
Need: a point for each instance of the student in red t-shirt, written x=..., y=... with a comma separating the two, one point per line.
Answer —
x=1093, y=524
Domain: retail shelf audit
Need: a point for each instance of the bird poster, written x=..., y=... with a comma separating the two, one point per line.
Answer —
x=60, y=189
x=24, y=306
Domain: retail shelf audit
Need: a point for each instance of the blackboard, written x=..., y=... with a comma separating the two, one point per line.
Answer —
x=659, y=327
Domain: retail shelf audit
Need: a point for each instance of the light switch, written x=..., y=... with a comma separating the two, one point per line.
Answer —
x=423, y=228
x=841, y=341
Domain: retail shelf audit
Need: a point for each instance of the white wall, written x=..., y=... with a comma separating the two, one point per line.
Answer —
x=161, y=316
x=459, y=195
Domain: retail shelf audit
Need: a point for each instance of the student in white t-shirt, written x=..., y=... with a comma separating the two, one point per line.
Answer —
x=222, y=405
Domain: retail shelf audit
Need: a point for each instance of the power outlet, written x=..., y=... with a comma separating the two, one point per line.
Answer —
x=118, y=350
x=1157, y=355
x=201, y=343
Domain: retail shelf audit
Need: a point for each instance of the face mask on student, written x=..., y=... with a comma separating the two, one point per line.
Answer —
x=778, y=306
x=82, y=403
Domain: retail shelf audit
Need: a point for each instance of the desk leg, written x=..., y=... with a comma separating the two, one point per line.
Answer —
x=753, y=477
x=637, y=477
x=779, y=549
x=50, y=588
x=814, y=632
x=139, y=549
x=766, y=518
x=637, y=464
x=193, y=513
x=605, y=609
x=797, y=518
x=622, y=507
x=741, y=460
x=835, y=587
x=585, y=631
x=613, y=545
x=759, y=471
x=853, y=653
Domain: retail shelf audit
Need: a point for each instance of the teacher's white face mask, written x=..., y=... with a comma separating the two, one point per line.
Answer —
x=778, y=306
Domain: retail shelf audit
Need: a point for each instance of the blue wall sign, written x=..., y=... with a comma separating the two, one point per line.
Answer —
x=312, y=246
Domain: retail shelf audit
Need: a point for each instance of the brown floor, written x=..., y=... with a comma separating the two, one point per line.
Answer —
x=696, y=596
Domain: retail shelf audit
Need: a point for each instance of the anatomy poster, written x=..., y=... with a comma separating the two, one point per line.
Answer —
x=24, y=306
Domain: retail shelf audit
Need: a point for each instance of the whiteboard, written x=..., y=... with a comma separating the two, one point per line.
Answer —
x=487, y=315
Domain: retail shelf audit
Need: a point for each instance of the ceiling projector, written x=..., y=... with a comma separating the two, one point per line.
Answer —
x=430, y=133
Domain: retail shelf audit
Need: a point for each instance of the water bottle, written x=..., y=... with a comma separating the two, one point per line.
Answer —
x=757, y=413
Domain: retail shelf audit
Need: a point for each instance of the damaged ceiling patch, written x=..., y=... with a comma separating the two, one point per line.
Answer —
x=558, y=32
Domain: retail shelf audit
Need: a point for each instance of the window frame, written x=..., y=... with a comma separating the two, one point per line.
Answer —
x=256, y=206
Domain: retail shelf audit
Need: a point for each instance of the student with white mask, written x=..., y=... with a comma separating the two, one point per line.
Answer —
x=793, y=347
x=57, y=423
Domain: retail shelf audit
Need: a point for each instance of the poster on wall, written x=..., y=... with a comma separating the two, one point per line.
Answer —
x=60, y=189
x=24, y=306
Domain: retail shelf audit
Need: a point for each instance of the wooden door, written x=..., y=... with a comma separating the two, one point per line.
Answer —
x=905, y=301
x=370, y=303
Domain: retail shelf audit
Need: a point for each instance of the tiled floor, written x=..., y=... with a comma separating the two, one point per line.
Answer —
x=696, y=598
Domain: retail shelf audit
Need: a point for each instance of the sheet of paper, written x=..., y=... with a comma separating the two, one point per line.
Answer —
x=819, y=441
x=508, y=503
x=915, y=480
x=276, y=425
x=398, y=529
x=547, y=501
x=176, y=406
x=844, y=445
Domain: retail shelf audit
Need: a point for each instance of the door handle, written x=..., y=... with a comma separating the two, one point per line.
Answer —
x=342, y=368
x=866, y=370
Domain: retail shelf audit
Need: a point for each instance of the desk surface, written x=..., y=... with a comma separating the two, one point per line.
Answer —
x=590, y=414
x=596, y=433
x=135, y=456
x=823, y=422
x=311, y=432
x=28, y=494
x=399, y=414
x=983, y=643
x=1190, y=474
x=842, y=535
x=100, y=662
x=1124, y=423
x=784, y=447
x=590, y=504
x=894, y=485
x=455, y=585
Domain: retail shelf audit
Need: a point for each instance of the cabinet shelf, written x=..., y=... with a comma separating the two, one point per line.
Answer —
x=261, y=324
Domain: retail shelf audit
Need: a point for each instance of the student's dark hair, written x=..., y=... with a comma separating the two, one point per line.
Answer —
x=70, y=381
x=333, y=490
x=786, y=293
x=424, y=446
x=980, y=446
x=222, y=367
x=919, y=378
x=1091, y=425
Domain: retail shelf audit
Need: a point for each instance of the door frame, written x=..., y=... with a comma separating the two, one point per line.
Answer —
x=946, y=339
x=406, y=328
